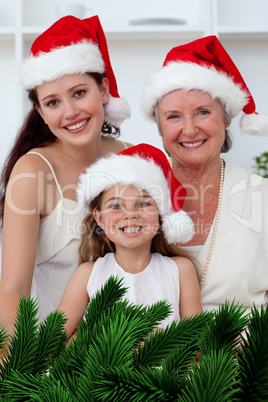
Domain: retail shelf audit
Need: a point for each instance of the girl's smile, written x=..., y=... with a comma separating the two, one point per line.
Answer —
x=131, y=229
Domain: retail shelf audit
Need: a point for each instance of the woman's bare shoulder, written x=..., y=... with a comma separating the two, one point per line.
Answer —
x=31, y=163
x=114, y=145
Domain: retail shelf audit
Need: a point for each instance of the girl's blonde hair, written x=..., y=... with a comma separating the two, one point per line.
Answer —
x=95, y=244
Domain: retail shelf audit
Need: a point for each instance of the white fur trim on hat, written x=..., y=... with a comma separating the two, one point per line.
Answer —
x=125, y=169
x=77, y=58
x=143, y=173
x=83, y=57
x=182, y=75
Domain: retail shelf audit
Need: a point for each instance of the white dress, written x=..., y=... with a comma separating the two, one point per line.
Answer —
x=57, y=251
x=158, y=281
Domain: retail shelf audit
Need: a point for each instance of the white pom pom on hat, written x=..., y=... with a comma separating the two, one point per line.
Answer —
x=205, y=65
x=147, y=168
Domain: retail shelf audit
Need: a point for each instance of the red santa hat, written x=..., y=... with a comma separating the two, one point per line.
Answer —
x=74, y=46
x=205, y=65
x=147, y=168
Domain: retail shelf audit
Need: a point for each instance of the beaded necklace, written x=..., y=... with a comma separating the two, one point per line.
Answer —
x=216, y=224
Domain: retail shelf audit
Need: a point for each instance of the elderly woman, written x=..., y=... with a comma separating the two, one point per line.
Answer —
x=193, y=99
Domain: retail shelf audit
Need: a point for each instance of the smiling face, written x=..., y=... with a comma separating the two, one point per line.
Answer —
x=128, y=216
x=72, y=107
x=192, y=125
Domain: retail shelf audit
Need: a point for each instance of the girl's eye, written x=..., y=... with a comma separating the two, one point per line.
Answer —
x=144, y=204
x=115, y=206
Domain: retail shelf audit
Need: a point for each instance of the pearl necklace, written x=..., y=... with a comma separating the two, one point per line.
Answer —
x=215, y=229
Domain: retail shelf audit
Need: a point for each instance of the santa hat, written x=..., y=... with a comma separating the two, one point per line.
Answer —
x=205, y=65
x=74, y=46
x=147, y=168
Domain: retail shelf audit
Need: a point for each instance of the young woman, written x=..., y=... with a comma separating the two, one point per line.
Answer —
x=76, y=114
x=128, y=231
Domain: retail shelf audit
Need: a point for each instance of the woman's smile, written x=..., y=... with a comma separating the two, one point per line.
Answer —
x=195, y=144
x=75, y=127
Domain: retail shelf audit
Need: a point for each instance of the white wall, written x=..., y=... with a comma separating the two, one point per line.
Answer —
x=7, y=98
x=251, y=58
x=133, y=62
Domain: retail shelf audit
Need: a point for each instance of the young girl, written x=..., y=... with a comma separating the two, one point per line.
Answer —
x=76, y=110
x=128, y=231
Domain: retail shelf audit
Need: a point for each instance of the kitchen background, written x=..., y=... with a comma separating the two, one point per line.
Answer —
x=139, y=34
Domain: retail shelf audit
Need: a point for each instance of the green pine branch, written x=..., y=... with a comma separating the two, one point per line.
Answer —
x=225, y=330
x=161, y=343
x=253, y=359
x=51, y=339
x=21, y=387
x=114, y=344
x=142, y=385
x=118, y=355
x=23, y=344
x=3, y=338
x=211, y=379
x=109, y=294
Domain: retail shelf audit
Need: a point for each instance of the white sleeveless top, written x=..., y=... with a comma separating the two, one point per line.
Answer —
x=158, y=281
x=57, y=251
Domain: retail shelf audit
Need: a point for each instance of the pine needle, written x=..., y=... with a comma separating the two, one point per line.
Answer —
x=211, y=379
x=140, y=385
x=23, y=345
x=51, y=339
x=3, y=338
x=162, y=343
x=114, y=344
x=225, y=330
x=20, y=387
x=253, y=358
x=112, y=358
x=110, y=293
